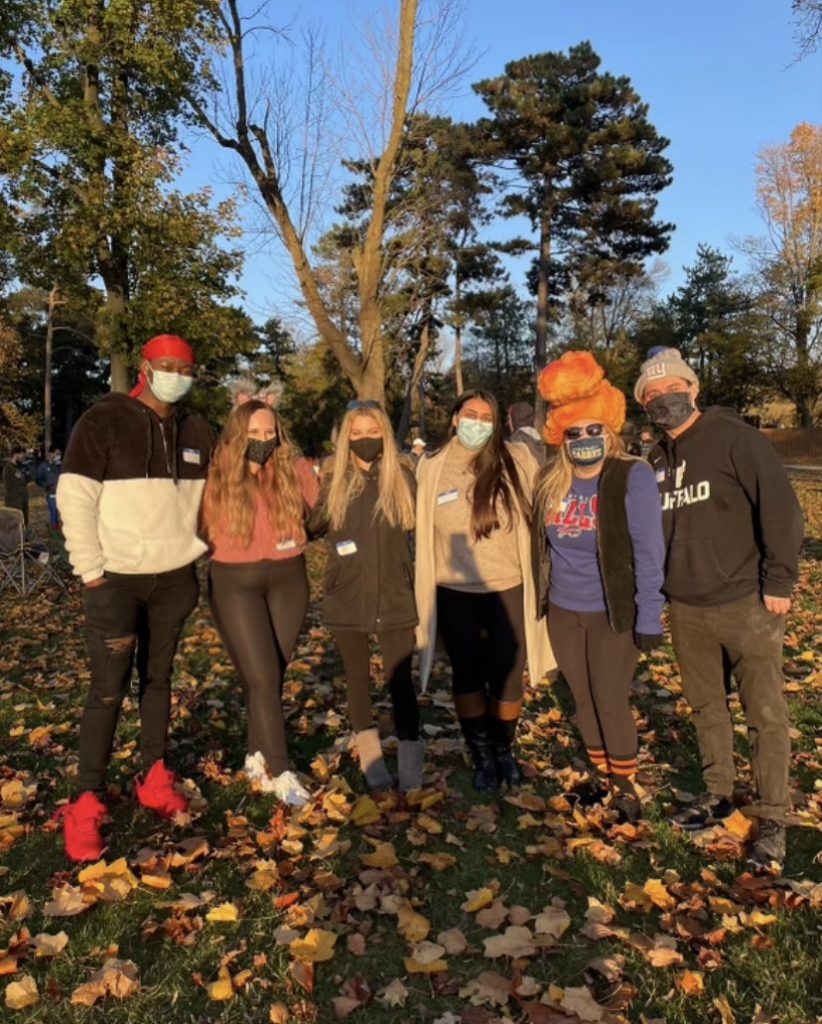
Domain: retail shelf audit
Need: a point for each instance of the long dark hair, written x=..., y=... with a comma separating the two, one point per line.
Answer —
x=496, y=478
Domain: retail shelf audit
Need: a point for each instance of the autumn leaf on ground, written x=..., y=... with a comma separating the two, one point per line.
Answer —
x=690, y=983
x=493, y=916
x=223, y=913
x=438, y=861
x=488, y=988
x=725, y=1012
x=49, y=945
x=117, y=978
x=453, y=941
x=553, y=921
x=393, y=995
x=582, y=1003
x=516, y=941
x=384, y=855
x=15, y=906
x=22, y=993
x=68, y=901
x=222, y=989
x=315, y=947
x=412, y=926
x=476, y=899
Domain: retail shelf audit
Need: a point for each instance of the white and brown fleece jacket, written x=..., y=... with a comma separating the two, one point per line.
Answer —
x=130, y=490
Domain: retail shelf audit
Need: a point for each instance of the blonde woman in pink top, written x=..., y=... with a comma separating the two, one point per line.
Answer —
x=256, y=498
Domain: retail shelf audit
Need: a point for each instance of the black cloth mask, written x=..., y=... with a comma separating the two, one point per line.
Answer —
x=668, y=412
x=261, y=451
x=367, y=449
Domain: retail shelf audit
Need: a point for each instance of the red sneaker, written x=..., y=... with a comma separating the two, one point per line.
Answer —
x=81, y=827
x=157, y=791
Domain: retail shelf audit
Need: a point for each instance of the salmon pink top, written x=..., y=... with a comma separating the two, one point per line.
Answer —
x=266, y=544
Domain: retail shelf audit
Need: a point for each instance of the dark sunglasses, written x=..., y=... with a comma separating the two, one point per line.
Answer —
x=364, y=403
x=592, y=430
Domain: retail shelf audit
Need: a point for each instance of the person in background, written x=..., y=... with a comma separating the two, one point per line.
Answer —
x=16, y=483
x=365, y=513
x=129, y=497
x=417, y=449
x=523, y=431
x=733, y=528
x=647, y=441
x=629, y=437
x=47, y=476
x=598, y=560
x=473, y=580
x=254, y=510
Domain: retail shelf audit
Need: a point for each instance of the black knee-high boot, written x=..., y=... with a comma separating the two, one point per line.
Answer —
x=502, y=743
x=478, y=740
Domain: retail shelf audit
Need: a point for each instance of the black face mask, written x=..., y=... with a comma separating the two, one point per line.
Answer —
x=668, y=412
x=368, y=449
x=261, y=451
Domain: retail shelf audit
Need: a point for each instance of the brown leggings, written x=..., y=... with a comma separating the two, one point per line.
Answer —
x=598, y=665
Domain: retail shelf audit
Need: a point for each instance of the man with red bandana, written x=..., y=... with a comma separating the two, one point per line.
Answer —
x=129, y=496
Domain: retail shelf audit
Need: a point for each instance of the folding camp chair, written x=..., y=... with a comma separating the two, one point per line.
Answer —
x=24, y=565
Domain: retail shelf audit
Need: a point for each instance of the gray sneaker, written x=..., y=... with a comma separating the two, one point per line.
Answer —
x=703, y=814
x=768, y=850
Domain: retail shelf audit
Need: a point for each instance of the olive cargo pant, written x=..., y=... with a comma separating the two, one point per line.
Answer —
x=748, y=638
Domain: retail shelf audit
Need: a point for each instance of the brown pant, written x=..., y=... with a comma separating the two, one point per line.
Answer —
x=747, y=638
x=598, y=665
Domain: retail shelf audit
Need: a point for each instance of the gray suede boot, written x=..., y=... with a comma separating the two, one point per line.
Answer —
x=372, y=763
x=410, y=754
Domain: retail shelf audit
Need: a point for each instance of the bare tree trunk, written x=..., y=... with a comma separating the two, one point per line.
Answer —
x=541, y=339
x=458, y=379
x=251, y=142
x=414, y=384
x=47, y=425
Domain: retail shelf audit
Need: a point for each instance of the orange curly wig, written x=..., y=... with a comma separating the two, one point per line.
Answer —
x=575, y=387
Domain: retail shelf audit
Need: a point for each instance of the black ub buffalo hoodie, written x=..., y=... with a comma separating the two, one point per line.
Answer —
x=733, y=525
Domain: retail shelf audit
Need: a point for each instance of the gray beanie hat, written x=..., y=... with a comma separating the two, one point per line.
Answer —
x=662, y=362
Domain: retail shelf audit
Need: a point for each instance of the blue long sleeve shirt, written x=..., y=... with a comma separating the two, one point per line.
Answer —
x=576, y=578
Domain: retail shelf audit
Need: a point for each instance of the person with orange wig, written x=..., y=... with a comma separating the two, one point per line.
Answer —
x=598, y=560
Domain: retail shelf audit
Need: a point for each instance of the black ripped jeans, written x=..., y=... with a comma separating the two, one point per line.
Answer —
x=130, y=615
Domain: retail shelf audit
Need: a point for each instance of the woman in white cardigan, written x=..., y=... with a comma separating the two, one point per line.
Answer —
x=473, y=580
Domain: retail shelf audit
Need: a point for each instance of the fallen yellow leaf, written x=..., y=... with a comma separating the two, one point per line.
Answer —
x=224, y=913
x=477, y=899
x=317, y=946
x=22, y=993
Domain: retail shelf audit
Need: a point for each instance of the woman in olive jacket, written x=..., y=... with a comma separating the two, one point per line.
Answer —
x=365, y=511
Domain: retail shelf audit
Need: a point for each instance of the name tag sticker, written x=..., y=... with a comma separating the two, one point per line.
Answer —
x=346, y=547
x=447, y=497
x=287, y=545
x=660, y=476
x=191, y=455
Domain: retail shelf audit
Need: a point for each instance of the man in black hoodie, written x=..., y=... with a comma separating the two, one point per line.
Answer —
x=733, y=529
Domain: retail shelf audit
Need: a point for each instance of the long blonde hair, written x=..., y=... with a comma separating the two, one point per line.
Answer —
x=556, y=476
x=231, y=491
x=345, y=480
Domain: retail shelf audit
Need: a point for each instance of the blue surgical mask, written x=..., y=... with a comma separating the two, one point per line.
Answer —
x=586, y=451
x=474, y=434
x=169, y=387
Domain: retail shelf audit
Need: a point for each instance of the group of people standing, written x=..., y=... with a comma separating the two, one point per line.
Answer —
x=505, y=561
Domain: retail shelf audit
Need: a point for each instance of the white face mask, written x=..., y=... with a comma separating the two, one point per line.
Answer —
x=169, y=387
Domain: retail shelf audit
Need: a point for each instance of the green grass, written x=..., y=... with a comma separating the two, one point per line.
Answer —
x=43, y=678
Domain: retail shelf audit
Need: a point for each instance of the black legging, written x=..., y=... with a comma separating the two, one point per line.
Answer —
x=397, y=646
x=598, y=665
x=484, y=635
x=259, y=609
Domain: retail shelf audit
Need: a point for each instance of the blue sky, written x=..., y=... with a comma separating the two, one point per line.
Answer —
x=718, y=76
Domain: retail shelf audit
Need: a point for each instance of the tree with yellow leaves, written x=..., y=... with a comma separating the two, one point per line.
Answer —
x=789, y=261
